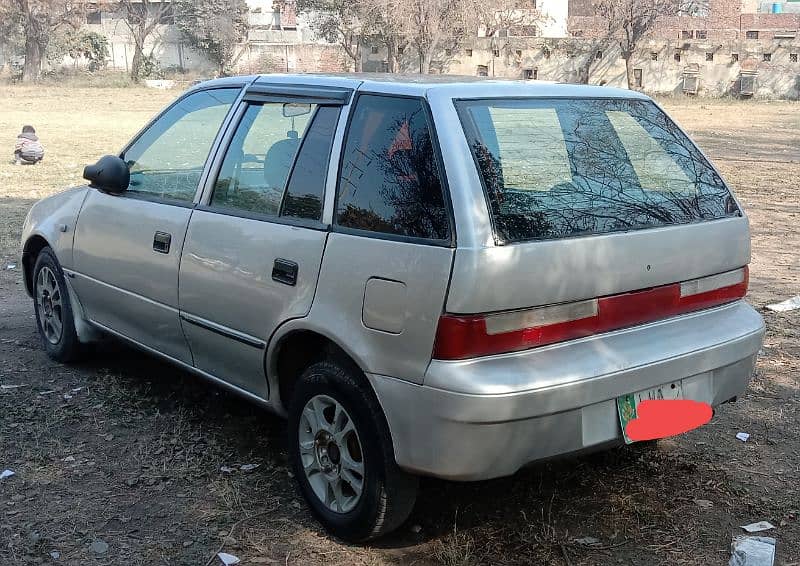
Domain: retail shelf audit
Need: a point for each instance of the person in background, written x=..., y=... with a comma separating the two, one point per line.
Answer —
x=28, y=150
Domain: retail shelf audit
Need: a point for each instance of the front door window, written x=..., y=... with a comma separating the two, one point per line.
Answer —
x=167, y=160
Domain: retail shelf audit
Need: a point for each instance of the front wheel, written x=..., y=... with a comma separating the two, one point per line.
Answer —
x=54, y=317
x=341, y=454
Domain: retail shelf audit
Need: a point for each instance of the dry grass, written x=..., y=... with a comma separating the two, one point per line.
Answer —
x=134, y=456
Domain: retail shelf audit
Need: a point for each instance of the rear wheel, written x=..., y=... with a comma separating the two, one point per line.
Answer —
x=54, y=318
x=341, y=454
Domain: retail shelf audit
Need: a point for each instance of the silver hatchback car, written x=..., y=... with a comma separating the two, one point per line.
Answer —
x=446, y=277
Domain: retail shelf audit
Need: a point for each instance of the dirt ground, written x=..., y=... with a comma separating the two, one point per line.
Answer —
x=118, y=460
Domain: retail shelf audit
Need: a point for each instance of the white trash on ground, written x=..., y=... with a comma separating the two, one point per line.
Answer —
x=788, y=305
x=743, y=436
x=758, y=527
x=228, y=559
x=249, y=467
x=752, y=551
x=6, y=474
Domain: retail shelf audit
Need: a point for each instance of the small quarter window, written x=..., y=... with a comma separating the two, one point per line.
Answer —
x=306, y=189
x=390, y=181
x=793, y=57
x=767, y=57
x=751, y=35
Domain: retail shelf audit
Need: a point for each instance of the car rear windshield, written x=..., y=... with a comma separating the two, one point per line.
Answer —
x=559, y=168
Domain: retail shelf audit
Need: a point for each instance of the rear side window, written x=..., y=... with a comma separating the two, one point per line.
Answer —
x=390, y=179
x=575, y=167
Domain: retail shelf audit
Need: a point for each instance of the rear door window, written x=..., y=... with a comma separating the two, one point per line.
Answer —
x=277, y=162
x=390, y=179
x=574, y=167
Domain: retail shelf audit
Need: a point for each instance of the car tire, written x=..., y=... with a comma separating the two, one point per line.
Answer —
x=365, y=505
x=54, y=316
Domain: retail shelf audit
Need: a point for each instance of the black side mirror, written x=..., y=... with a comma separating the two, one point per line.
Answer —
x=109, y=174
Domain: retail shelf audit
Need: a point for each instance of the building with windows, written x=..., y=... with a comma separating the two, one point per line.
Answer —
x=736, y=47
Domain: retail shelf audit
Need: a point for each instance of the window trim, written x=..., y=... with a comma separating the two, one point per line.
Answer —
x=261, y=217
x=151, y=197
x=449, y=242
x=211, y=152
x=457, y=103
x=312, y=94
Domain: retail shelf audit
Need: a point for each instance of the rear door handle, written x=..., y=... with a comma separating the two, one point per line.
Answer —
x=285, y=271
x=161, y=242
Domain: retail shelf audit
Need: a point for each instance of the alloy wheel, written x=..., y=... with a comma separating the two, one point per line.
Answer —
x=49, y=302
x=331, y=454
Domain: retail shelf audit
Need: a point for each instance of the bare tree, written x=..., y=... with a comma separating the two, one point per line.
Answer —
x=432, y=25
x=505, y=15
x=142, y=18
x=592, y=57
x=39, y=20
x=386, y=21
x=630, y=21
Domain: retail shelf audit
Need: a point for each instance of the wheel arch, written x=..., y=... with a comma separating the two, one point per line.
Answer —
x=30, y=252
x=293, y=348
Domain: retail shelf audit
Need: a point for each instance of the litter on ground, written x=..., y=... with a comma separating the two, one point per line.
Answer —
x=6, y=474
x=228, y=559
x=758, y=527
x=743, y=436
x=752, y=551
x=786, y=306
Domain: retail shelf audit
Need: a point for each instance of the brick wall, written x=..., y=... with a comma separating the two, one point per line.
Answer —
x=727, y=20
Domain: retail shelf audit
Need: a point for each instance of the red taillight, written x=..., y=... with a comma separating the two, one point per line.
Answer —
x=462, y=337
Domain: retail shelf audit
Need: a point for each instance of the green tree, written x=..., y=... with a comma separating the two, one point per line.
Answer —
x=91, y=46
x=343, y=22
x=214, y=27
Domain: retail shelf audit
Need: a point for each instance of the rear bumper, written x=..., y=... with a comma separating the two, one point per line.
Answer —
x=488, y=417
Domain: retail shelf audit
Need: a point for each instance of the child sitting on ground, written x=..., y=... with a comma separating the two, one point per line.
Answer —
x=28, y=150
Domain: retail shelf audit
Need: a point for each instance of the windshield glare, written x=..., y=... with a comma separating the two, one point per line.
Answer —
x=557, y=168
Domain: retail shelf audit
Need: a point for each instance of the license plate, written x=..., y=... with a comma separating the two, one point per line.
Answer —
x=627, y=404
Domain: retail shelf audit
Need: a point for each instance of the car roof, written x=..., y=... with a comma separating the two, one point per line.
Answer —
x=448, y=86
